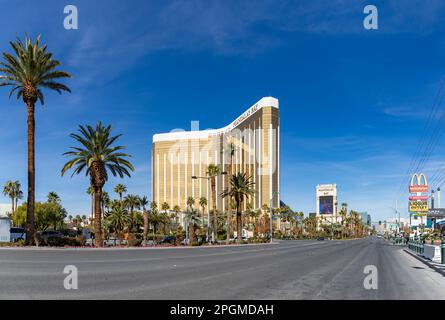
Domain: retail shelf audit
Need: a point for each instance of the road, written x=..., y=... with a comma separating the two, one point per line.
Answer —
x=286, y=270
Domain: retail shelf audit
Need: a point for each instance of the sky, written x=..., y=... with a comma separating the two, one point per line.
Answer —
x=353, y=102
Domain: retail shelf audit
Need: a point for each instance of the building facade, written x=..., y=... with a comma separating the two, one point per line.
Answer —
x=178, y=156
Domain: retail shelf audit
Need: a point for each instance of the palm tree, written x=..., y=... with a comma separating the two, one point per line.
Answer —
x=120, y=189
x=212, y=172
x=241, y=187
x=105, y=201
x=143, y=202
x=190, y=202
x=119, y=220
x=192, y=218
x=29, y=70
x=12, y=190
x=132, y=202
x=203, y=204
x=96, y=156
x=177, y=211
x=53, y=197
x=231, y=148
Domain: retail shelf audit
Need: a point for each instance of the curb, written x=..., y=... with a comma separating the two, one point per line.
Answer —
x=148, y=248
x=426, y=262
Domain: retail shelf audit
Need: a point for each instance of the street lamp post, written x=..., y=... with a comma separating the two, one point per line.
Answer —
x=271, y=215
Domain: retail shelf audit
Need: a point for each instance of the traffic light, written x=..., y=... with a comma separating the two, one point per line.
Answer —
x=380, y=222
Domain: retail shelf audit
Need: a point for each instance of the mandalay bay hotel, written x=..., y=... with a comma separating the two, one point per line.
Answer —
x=180, y=159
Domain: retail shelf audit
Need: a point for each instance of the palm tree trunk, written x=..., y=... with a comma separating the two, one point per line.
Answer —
x=31, y=175
x=92, y=205
x=229, y=206
x=214, y=229
x=145, y=226
x=239, y=221
x=98, y=217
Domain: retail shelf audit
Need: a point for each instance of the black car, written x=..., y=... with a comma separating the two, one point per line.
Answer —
x=320, y=238
x=168, y=239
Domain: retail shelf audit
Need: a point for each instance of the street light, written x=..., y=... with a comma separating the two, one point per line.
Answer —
x=271, y=215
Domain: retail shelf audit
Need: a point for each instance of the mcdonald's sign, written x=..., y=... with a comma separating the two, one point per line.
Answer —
x=418, y=183
x=418, y=206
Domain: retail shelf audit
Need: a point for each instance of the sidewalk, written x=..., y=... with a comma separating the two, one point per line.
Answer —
x=440, y=268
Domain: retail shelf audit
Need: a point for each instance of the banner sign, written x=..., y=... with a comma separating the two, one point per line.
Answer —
x=418, y=198
x=436, y=213
x=418, y=206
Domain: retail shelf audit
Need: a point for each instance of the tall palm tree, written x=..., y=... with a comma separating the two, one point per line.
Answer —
x=120, y=189
x=190, y=202
x=131, y=201
x=231, y=148
x=105, y=201
x=203, y=204
x=241, y=187
x=177, y=211
x=192, y=218
x=97, y=156
x=212, y=172
x=53, y=197
x=143, y=203
x=12, y=190
x=29, y=70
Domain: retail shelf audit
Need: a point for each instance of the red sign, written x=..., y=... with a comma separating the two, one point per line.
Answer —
x=417, y=188
x=420, y=198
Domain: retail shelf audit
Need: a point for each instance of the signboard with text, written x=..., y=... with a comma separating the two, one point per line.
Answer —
x=418, y=206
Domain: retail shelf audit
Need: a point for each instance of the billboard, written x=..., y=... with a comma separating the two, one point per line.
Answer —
x=418, y=206
x=326, y=204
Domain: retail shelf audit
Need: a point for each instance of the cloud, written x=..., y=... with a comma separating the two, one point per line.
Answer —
x=406, y=112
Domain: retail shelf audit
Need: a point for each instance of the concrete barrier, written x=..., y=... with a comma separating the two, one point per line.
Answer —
x=432, y=252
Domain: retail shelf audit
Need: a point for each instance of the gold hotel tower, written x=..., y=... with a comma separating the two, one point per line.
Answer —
x=179, y=155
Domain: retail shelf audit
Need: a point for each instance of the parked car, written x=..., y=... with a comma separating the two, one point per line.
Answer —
x=320, y=238
x=168, y=239
x=17, y=234
x=113, y=241
x=50, y=234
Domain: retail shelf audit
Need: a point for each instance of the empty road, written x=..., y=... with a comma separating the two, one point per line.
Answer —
x=285, y=270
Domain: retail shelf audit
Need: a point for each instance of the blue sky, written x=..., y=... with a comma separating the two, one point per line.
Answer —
x=353, y=102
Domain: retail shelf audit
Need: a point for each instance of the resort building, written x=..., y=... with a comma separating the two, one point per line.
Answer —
x=180, y=155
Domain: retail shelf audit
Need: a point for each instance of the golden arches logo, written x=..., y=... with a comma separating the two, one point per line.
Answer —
x=419, y=177
x=418, y=184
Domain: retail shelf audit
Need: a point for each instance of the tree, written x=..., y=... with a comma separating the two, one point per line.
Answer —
x=47, y=214
x=12, y=190
x=192, y=218
x=120, y=189
x=97, y=156
x=241, y=187
x=29, y=70
x=53, y=197
x=212, y=172
x=203, y=205
x=231, y=147
x=190, y=202
x=143, y=203
x=132, y=202
x=119, y=220
x=90, y=192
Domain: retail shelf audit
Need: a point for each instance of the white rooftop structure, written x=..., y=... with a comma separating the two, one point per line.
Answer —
x=4, y=208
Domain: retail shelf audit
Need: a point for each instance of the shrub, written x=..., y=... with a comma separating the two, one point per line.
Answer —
x=133, y=240
x=54, y=241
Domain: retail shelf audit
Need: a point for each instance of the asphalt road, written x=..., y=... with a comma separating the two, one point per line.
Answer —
x=286, y=270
